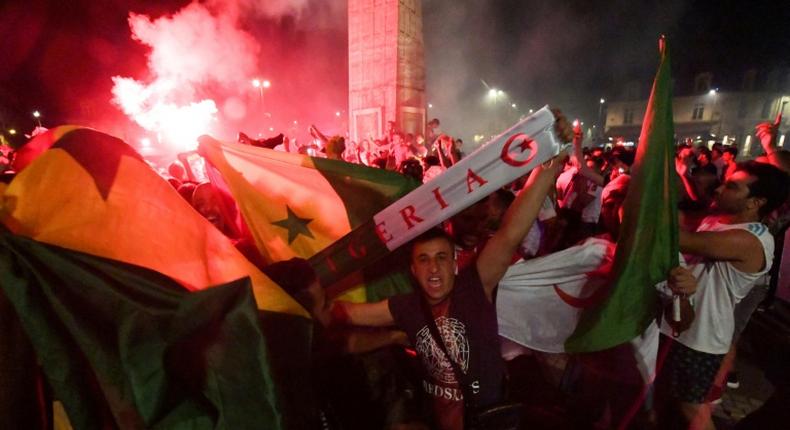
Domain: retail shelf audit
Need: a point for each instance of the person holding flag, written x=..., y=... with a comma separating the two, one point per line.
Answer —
x=461, y=306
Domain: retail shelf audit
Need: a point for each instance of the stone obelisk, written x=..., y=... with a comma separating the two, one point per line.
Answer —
x=386, y=67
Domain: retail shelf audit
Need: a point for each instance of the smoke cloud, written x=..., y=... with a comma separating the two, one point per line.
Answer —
x=202, y=60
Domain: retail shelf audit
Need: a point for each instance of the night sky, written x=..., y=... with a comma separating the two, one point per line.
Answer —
x=60, y=54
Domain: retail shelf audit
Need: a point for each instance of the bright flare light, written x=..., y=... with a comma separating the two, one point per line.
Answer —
x=145, y=142
x=712, y=92
x=603, y=101
x=13, y=132
x=256, y=83
x=36, y=114
x=179, y=125
x=492, y=92
x=267, y=84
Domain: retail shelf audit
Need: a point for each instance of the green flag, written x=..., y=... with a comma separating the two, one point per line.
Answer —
x=126, y=347
x=647, y=247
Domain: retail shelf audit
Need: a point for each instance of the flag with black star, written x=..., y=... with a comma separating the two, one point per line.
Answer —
x=295, y=205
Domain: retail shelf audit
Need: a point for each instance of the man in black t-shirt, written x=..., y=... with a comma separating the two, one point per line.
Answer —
x=462, y=306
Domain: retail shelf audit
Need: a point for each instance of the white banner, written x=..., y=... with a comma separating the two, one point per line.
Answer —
x=497, y=163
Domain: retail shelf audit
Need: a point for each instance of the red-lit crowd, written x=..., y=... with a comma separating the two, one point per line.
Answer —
x=385, y=364
x=734, y=217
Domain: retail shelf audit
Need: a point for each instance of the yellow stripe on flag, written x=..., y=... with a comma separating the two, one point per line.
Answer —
x=142, y=221
x=266, y=185
x=264, y=195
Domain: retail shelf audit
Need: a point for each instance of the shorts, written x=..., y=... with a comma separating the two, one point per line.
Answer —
x=691, y=373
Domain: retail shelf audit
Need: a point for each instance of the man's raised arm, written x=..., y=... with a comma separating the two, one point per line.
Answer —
x=494, y=259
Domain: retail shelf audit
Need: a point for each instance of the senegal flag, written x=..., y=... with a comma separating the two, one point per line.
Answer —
x=647, y=247
x=91, y=193
x=295, y=205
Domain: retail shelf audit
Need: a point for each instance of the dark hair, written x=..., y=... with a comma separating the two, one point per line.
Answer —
x=771, y=184
x=431, y=234
x=432, y=160
x=412, y=168
x=626, y=156
x=293, y=276
x=732, y=150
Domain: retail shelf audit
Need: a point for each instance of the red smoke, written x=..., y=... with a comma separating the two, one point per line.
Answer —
x=203, y=59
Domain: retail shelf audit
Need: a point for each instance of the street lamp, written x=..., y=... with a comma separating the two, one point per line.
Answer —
x=600, y=114
x=37, y=116
x=260, y=85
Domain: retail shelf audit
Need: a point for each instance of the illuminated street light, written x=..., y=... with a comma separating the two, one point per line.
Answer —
x=12, y=131
x=513, y=105
x=603, y=101
x=531, y=110
x=256, y=83
x=712, y=92
x=37, y=116
x=500, y=93
x=267, y=84
x=492, y=92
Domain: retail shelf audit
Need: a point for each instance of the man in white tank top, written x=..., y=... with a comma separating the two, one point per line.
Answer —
x=727, y=254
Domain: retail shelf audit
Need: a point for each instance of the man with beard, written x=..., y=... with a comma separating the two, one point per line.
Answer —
x=728, y=253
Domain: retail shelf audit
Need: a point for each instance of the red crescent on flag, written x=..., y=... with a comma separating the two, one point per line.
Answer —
x=526, y=143
x=582, y=302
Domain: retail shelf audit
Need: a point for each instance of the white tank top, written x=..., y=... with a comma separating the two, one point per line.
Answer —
x=720, y=287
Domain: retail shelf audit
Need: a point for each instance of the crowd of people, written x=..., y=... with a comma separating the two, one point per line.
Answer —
x=733, y=216
x=385, y=364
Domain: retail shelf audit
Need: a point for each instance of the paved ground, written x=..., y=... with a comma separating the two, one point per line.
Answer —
x=762, y=363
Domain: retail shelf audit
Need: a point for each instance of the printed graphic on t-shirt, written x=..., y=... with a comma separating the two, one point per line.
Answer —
x=453, y=333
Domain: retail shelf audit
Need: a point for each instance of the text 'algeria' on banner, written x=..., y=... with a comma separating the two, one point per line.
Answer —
x=502, y=160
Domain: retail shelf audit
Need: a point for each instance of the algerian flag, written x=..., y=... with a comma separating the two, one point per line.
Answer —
x=647, y=247
x=539, y=301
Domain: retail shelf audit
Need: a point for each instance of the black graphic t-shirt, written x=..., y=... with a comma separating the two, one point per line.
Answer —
x=467, y=322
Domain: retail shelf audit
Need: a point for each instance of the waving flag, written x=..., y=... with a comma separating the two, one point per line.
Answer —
x=93, y=193
x=295, y=205
x=647, y=247
x=90, y=193
x=126, y=347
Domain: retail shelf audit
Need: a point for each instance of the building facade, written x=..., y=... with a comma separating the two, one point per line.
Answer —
x=710, y=114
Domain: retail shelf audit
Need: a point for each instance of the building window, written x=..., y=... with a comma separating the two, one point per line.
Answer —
x=699, y=110
x=628, y=116
x=767, y=108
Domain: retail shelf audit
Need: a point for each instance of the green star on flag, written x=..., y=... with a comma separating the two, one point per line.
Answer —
x=294, y=225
